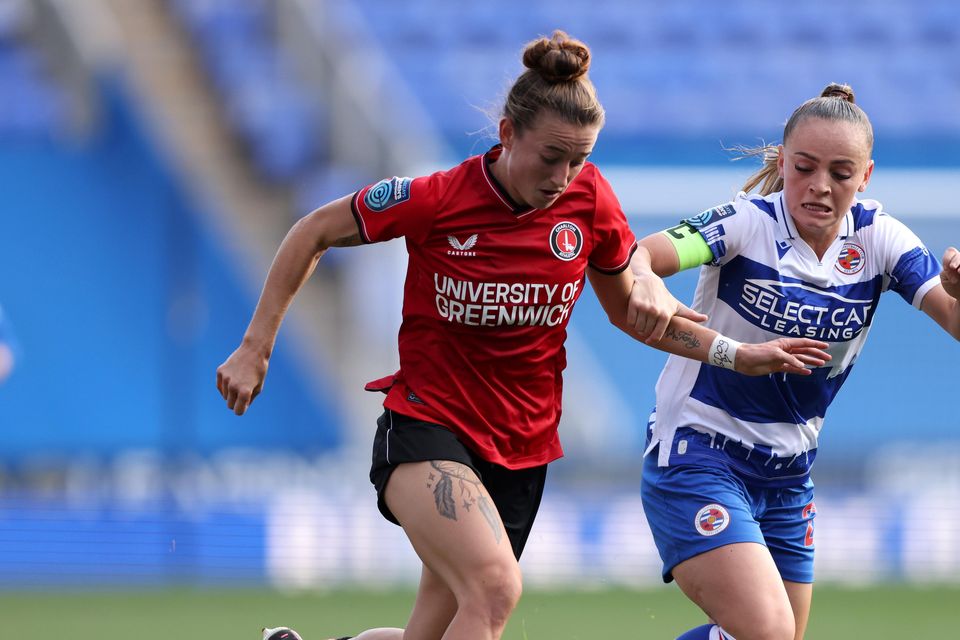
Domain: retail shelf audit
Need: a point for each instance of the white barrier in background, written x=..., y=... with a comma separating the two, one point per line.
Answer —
x=315, y=541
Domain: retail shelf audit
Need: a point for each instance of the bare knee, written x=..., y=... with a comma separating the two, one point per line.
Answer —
x=776, y=629
x=493, y=593
x=773, y=624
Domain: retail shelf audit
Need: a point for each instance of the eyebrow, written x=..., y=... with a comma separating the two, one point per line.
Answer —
x=553, y=147
x=815, y=158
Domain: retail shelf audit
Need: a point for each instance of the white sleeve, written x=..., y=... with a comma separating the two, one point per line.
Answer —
x=911, y=269
x=727, y=228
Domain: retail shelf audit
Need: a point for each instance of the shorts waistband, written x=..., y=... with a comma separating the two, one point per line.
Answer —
x=758, y=463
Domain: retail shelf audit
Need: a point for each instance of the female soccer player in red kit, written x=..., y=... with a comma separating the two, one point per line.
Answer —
x=498, y=249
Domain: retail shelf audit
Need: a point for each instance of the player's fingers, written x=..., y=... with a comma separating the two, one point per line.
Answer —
x=243, y=401
x=231, y=397
x=795, y=366
x=810, y=360
x=220, y=381
x=791, y=344
x=656, y=334
x=811, y=352
x=632, y=315
x=951, y=257
x=686, y=312
x=643, y=324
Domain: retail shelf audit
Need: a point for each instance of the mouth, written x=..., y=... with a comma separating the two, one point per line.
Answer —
x=550, y=194
x=816, y=207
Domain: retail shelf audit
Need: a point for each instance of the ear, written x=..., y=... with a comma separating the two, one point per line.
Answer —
x=507, y=133
x=780, y=160
x=866, y=177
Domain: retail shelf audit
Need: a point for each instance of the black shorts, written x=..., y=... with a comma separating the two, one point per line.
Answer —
x=515, y=492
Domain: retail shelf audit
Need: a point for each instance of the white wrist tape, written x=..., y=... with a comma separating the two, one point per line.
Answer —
x=723, y=352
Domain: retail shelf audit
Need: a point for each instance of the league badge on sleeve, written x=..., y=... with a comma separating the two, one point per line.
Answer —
x=710, y=216
x=386, y=193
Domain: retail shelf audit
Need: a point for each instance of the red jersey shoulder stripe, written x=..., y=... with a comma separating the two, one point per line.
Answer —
x=612, y=271
x=361, y=225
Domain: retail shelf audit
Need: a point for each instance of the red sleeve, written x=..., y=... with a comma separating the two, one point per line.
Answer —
x=397, y=207
x=613, y=240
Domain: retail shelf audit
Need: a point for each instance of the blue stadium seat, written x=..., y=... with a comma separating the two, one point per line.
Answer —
x=263, y=97
x=710, y=57
x=34, y=105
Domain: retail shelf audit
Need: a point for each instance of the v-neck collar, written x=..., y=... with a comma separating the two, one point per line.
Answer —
x=515, y=208
x=790, y=232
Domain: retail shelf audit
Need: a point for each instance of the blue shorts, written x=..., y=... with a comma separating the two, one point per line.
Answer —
x=693, y=508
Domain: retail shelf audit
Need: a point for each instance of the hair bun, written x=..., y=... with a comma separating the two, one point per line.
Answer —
x=557, y=59
x=842, y=91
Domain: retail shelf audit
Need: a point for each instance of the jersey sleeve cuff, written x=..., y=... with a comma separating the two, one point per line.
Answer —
x=612, y=271
x=356, y=216
x=924, y=289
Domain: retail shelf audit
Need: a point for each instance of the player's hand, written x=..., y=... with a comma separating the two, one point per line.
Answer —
x=950, y=276
x=783, y=355
x=240, y=378
x=651, y=307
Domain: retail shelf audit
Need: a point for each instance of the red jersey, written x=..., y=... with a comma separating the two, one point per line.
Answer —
x=488, y=294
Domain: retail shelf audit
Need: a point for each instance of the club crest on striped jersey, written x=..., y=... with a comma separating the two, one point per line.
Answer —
x=386, y=193
x=711, y=520
x=851, y=258
x=566, y=240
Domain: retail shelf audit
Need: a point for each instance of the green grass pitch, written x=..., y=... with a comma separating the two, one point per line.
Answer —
x=880, y=612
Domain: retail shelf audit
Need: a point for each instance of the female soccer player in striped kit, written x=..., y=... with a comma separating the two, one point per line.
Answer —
x=498, y=250
x=726, y=485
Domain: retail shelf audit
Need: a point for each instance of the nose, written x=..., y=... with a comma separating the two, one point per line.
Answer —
x=560, y=177
x=820, y=184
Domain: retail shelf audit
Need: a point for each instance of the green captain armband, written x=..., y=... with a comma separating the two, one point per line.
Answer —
x=692, y=249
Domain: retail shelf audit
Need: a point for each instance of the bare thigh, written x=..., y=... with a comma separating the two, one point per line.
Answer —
x=801, y=595
x=739, y=587
x=452, y=522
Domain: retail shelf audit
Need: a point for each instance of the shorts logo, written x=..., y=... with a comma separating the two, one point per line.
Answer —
x=809, y=512
x=566, y=241
x=851, y=259
x=386, y=193
x=711, y=520
x=710, y=215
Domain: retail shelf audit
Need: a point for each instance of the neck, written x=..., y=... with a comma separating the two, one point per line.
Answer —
x=819, y=239
x=498, y=168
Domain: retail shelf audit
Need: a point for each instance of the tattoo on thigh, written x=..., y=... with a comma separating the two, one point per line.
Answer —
x=469, y=489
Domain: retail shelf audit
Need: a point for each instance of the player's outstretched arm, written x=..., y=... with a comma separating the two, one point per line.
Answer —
x=688, y=338
x=240, y=378
x=942, y=303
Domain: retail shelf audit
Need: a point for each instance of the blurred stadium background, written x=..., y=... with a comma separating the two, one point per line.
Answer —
x=153, y=154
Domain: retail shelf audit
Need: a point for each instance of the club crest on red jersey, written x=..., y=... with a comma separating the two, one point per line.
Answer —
x=711, y=520
x=566, y=240
x=851, y=259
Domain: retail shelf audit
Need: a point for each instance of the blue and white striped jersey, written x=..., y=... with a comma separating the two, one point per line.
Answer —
x=765, y=282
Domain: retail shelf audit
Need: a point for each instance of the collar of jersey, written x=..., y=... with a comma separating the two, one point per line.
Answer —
x=790, y=230
x=496, y=187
